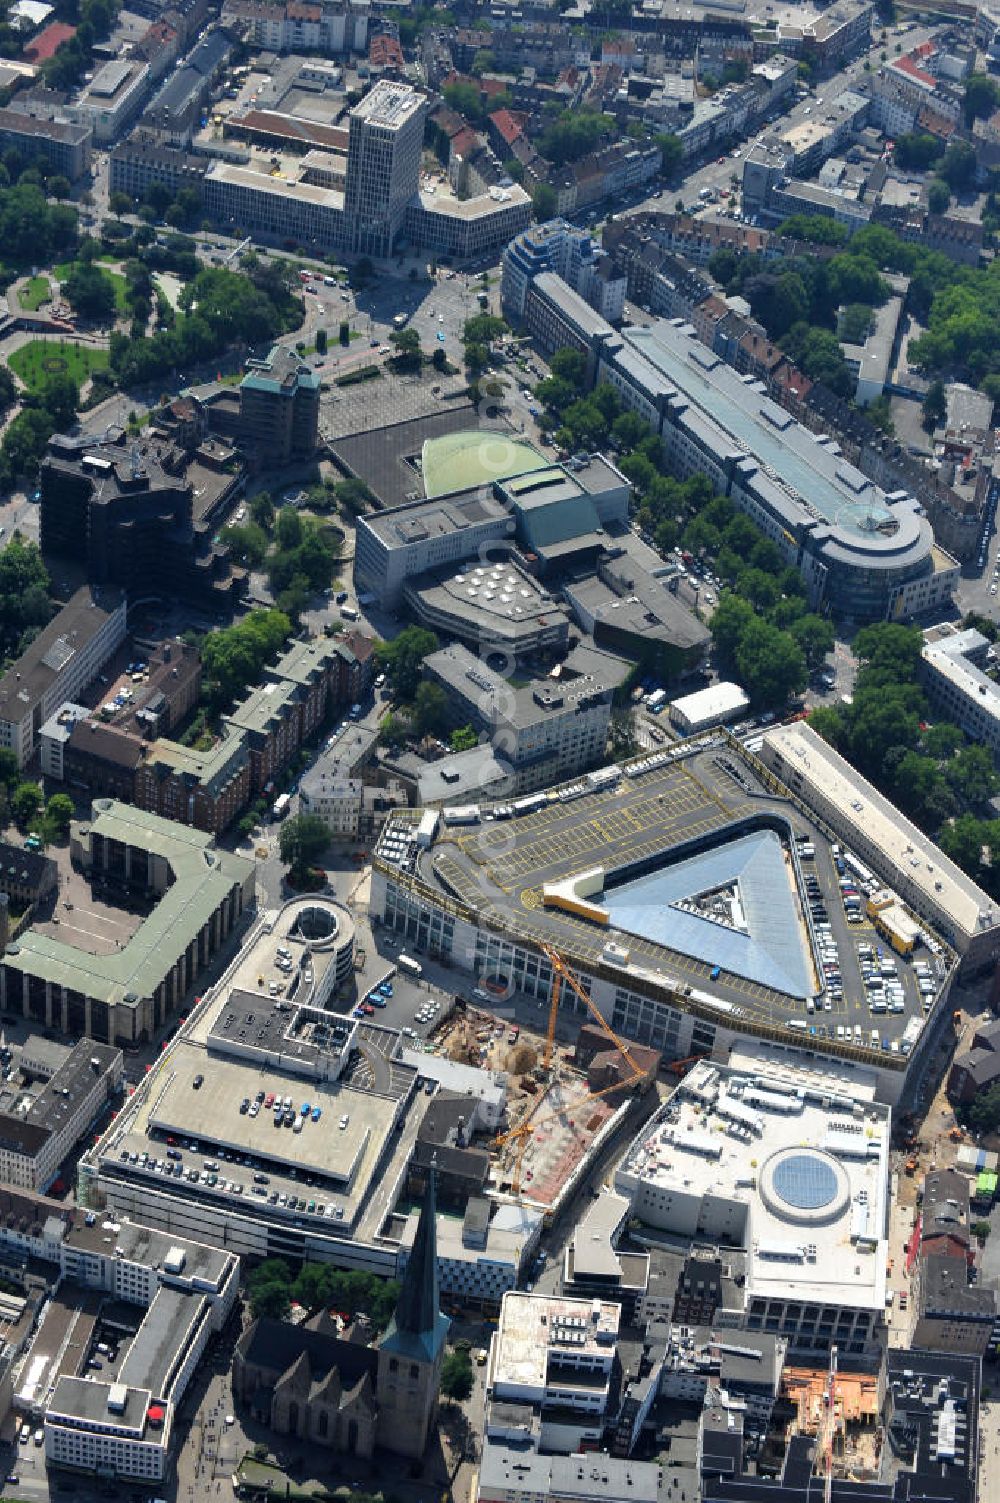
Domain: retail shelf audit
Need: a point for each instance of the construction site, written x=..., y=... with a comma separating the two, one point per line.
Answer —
x=561, y=1103
x=842, y=1411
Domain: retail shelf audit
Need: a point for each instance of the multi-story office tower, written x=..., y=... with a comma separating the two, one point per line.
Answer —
x=383, y=165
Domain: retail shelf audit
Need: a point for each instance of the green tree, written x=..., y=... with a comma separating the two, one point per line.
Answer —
x=917, y=151
x=9, y=771
x=958, y=166
x=815, y=636
x=26, y=802
x=401, y=659
x=261, y=510
x=457, y=1377
x=463, y=739
x=59, y=811
x=941, y=741
x=409, y=356
x=430, y=710
x=543, y=202
x=90, y=292
x=971, y=775
x=984, y=1112
x=671, y=152
x=269, y=1288
x=289, y=528
x=980, y=98
x=938, y=196
x=354, y=495
x=393, y=730
x=247, y=543
x=935, y=406
x=233, y=656
x=770, y=663
x=302, y=841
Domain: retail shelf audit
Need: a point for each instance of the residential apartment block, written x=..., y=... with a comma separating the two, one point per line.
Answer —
x=954, y=672
x=62, y=661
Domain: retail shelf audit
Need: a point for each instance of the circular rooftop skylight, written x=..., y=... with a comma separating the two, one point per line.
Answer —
x=805, y=1181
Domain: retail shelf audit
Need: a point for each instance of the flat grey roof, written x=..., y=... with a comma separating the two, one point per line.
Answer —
x=70, y=631
x=152, y=1358
x=839, y=493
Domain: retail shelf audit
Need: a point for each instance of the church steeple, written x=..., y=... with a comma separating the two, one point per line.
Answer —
x=418, y=1306
x=418, y=1327
x=412, y=1349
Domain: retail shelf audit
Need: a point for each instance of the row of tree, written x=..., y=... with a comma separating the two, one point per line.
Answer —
x=273, y=1288
x=234, y=657
x=926, y=768
x=958, y=305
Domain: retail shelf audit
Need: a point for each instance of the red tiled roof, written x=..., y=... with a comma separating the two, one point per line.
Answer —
x=909, y=67
x=464, y=142
x=385, y=52
x=506, y=126
x=48, y=42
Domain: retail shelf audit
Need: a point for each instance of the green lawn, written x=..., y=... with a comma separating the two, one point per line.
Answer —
x=34, y=293
x=42, y=357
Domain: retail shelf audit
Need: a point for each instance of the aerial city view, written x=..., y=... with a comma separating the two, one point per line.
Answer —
x=500, y=751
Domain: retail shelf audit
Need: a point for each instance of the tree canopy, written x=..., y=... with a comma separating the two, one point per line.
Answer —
x=234, y=656
x=402, y=658
x=302, y=841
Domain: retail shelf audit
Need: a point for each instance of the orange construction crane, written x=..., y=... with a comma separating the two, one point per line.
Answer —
x=520, y=1135
x=560, y=973
x=681, y=1066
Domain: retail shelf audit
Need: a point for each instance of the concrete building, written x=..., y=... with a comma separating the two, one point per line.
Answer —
x=593, y=1266
x=484, y=1254
x=509, y=1473
x=862, y=553
x=396, y=545
x=53, y=738
x=629, y=611
x=902, y=856
x=549, y=729
x=554, y=1357
x=279, y=407
x=793, y=1171
x=113, y=98
x=124, y=1429
x=35, y=1141
x=951, y=1315
x=557, y=518
x=126, y=995
x=954, y=664
x=716, y=705
x=65, y=145
x=64, y=659
x=573, y=254
x=383, y=165
x=134, y=517
x=328, y=26
x=25, y=876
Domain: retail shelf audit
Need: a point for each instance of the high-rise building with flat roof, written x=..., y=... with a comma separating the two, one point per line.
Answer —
x=279, y=406
x=383, y=164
